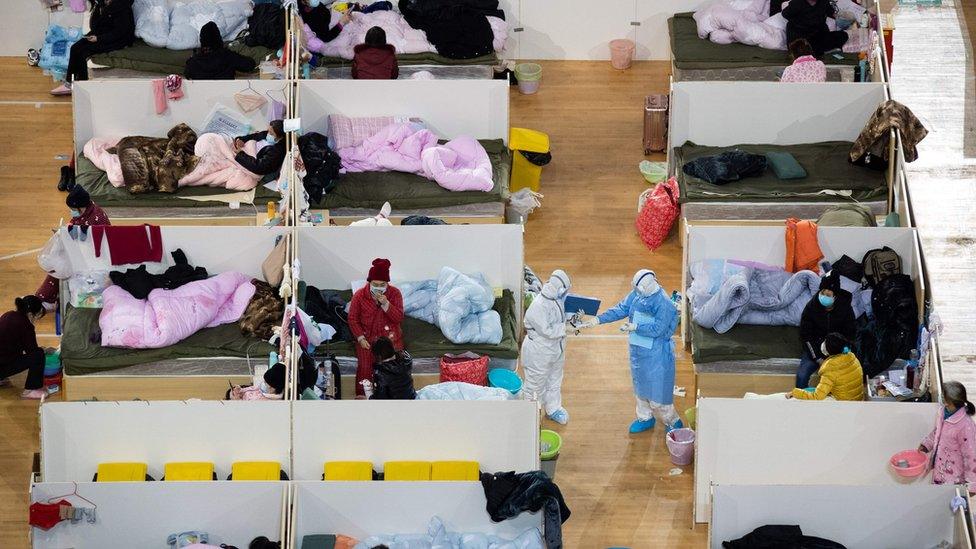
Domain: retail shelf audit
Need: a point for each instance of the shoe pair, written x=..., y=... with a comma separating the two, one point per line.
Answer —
x=641, y=425
x=560, y=416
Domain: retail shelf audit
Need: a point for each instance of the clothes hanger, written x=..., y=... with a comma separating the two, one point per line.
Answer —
x=281, y=91
x=75, y=494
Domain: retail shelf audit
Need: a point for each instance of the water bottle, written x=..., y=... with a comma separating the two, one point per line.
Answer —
x=676, y=299
x=910, y=370
x=272, y=359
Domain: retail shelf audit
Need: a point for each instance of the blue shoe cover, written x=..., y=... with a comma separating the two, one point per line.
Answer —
x=560, y=416
x=639, y=426
x=676, y=425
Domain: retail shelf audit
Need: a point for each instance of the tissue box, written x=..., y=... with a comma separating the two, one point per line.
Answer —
x=589, y=305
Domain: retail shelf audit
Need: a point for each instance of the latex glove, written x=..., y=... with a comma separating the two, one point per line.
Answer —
x=628, y=327
x=588, y=324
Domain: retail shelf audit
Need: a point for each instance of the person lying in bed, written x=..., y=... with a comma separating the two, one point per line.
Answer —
x=808, y=19
x=271, y=150
x=841, y=376
x=213, y=61
x=318, y=17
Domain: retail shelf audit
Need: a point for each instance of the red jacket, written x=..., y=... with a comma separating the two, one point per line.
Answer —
x=375, y=63
x=367, y=319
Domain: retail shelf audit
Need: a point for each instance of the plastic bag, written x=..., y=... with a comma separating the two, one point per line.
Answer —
x=524, y=201
x=86, y=289
x=54, y=258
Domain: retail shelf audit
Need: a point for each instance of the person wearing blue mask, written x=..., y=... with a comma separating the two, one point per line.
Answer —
x=271, y=150
x=828, y=311
x=544, y=347
x=651, y=321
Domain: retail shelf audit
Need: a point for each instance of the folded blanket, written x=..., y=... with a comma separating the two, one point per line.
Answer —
x=465, y=311
x=109, y=163
x=216, y=166
x=169, y=316
x=460, y=165
x=753, y=294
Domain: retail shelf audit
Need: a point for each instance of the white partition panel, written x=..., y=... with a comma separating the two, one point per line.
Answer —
x=478, y=108
x=115, y=108
x=728, y=113
x=866, y=517
x=499, y=435
x=769, y=442
x=144, y=514
x=77, y=436
x=767, y=244
x=363, y=509
x=332, y=257
x=218, y=249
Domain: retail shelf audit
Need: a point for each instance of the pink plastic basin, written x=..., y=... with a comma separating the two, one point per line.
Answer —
x=916, y=463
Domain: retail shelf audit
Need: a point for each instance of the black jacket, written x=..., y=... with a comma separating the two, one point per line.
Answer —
x=509, y=494
x=804, y=20
x=394, y=379
x=816, y=322
x=113, y=24
x=269, y=158
x=458, y=29
x=220, y=64
x=322, y=165
x=318, y=19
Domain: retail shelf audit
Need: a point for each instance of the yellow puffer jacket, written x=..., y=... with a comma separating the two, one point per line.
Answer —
x=841, y=377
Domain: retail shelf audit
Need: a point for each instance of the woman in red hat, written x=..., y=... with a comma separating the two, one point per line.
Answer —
x=376, y=311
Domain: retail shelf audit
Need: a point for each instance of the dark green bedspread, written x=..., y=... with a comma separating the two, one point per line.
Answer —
x=744, y=342
x=429, y=58
x=826, y=165
x=96, y=182
x=145, y=58
x=80, y=356
x=408, y=191
x=425, y=340
x=691, y=52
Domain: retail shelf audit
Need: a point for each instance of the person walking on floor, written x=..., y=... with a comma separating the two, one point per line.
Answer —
x=651, y=321
x=952, y=443
x=544, y=347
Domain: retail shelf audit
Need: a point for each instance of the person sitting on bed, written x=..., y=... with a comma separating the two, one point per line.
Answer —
x=271, y=150
x=375, y=59
x=805, y=67
x=213, y=61
x=841, y=376
x=84, y=213
x=392, y=372
x=828, y=311
x=113, y=27
x=376, y=311
x=808, y=19
x=318, y=17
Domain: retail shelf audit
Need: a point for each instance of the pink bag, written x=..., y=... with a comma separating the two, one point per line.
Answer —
x=469, y=368
x=658, y=213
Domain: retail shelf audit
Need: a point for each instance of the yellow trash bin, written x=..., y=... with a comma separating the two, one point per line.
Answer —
x=526, y=173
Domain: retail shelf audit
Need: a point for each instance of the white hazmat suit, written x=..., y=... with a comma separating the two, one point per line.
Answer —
x=544, y=347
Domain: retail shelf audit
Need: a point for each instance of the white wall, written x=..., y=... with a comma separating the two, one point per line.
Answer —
x=26, y=21
x=143, y=514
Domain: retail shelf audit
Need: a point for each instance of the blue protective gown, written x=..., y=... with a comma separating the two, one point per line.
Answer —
x=651, y=346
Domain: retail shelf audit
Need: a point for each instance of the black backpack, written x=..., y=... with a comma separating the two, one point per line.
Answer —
x=896, y=315
x=879, y=264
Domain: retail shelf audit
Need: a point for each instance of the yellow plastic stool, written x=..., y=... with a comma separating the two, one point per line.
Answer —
x=524, y=173
x=255, y=470
x=454, y=470
x=121, y=472
x=406, y=470
x=348, y=470
x=189, y=470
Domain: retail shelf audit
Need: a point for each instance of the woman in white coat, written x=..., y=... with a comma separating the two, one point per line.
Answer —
x=544, y=347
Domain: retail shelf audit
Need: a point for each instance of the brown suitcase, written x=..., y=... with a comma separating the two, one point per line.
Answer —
x=655, y=123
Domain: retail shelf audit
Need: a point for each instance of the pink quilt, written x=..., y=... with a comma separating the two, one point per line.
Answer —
x=169, y=316
x=94, y=150
x=459, y=165
x=216, y=166
x=399, y=34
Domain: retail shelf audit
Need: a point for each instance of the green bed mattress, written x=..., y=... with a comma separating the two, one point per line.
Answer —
x=826, y=165
x=429, y=58
x=80, y=356
x=145, y=58
x=408, y=191
x=691, y=52
x=744, y=343
x=96, y=182
x=425, y=340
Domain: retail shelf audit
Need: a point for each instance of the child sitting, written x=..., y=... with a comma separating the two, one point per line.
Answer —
x=841, y=375
x=953, y=440
x=805, y=67
x=375, y=59
x=392, y=372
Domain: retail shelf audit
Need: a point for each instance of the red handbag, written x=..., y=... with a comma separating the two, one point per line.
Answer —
x=469, y=368
x=657, y=214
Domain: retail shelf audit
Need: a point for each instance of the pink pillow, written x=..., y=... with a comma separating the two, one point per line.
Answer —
x=345, y=131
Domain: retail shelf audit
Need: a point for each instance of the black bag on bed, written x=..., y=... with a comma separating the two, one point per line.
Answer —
x=322, y=165
x=266, y=27
x=327, y=307
x=879, y=264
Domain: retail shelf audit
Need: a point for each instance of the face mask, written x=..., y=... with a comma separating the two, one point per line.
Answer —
x=74, y=212
x=265, y=389
x=823, y=349
x=313, y=3
x=270, y=140
x=826, y=300
x=378, y=289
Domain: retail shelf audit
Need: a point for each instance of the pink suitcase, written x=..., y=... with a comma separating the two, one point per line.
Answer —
x=655, y=123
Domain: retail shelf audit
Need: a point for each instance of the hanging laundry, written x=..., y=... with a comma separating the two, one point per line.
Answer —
x=159, y=95
x=47, y=515
x=134, y=244
x=174, y=87
x=874, y=138
x=249, y=100
x=277, y=110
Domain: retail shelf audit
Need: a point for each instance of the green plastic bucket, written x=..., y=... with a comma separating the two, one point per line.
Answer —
x=653, y=172
x=549, y=444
